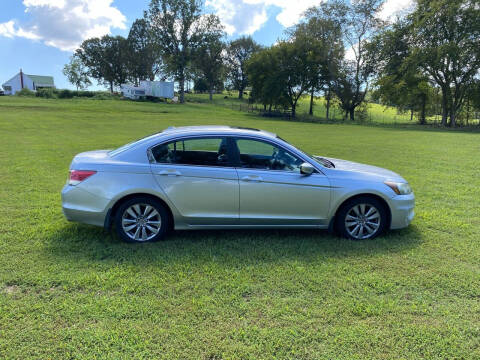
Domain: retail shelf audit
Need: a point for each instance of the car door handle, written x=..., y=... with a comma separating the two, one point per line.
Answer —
x=169, y=173
x=252, y=178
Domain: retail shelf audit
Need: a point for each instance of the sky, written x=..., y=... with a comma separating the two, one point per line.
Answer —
x=39, y=36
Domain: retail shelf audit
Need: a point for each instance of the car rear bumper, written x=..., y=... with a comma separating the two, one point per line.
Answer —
x=402, y=209
x=81, y=206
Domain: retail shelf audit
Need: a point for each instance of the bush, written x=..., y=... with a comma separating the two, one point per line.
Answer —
x=25, y=92
x=66, y=94
x=87, y=94
x=105, y=95
x=62, y=94
x=361, y=112
x=47, y=93
x=52, y=93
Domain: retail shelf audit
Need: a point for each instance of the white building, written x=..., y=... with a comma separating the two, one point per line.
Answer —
x=160, y=89
x=25, y=81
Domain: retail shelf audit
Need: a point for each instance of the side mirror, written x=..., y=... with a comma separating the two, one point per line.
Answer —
x=306, y=169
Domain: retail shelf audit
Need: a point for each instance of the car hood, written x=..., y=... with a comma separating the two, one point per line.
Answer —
x=354, y=169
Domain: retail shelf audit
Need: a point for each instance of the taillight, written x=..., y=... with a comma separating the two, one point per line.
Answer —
x=77, y=176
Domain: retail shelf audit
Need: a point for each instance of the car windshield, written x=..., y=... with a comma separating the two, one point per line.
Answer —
x=129, y=145
x=318, y=159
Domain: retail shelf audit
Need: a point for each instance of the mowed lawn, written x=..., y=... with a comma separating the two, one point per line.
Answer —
x=73, y=291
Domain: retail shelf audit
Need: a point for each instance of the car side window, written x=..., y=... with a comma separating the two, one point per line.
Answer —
x=255, y=154
x=210, y=151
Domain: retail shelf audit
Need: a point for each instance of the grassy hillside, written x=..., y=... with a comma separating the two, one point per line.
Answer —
x=72, y=291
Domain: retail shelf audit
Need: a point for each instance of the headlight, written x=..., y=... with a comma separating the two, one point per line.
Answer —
x=399, y=188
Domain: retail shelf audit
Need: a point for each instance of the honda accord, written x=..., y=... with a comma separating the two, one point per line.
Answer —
x=220, y=177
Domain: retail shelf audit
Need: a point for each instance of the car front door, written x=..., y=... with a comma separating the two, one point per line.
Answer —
x=272, y=189
x=197, y=176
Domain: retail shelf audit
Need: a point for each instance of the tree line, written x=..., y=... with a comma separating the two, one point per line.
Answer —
x=424, y=62
x=174, y=40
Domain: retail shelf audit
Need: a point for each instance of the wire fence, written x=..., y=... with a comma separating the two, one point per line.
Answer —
x=336, y=116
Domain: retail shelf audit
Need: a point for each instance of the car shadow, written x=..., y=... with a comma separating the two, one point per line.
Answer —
x=83, y=243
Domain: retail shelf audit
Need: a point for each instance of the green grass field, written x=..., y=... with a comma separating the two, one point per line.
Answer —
x=73, y=291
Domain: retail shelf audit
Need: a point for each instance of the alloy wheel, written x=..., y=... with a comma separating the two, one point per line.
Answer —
x=141, y=222
x=362, y=221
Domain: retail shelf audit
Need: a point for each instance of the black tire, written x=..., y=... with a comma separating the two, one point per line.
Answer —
x=139, y=206
x=345, y=227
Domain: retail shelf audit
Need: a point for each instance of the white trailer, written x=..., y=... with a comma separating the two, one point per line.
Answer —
x=132, y=92
x=160, y=89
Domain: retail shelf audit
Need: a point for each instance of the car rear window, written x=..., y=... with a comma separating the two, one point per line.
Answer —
x=130, y=145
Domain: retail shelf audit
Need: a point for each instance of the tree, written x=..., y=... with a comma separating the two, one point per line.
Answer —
x=105, y=59
x=474, y=96
x=208, y=62
x=298, y=64
x=144, y=57
x=76, y=73
x=472, y=102
x=180, y=28
x=444, y=40
x=200, y=85
x=406, y=92
x=267, y=87
x=399, y=83
x=238, y=52
x=324, y=35
x=358, y=20
x=287, y=71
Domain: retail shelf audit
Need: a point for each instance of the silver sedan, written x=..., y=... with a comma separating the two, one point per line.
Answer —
x=219, y=177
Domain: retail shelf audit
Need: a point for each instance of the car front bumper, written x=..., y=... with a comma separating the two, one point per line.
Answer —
x=81, y=206
x=402, y=210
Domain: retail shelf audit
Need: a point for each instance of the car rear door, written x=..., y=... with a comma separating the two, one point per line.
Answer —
x=197, y=176
x=272, y=189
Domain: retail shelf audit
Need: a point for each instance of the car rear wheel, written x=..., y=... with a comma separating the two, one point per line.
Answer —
x=141, y=219
x=362, y=218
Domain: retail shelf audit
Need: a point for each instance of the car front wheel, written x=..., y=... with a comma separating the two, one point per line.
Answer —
x=141, y=219
x=362, y=218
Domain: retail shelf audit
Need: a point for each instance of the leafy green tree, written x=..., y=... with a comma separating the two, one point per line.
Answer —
x=208, y=61
x=292, y=64
x=144, y=57
x=325, y=39
x=358, y=21
x=267, y=86
x=471, y=108
x=106, y=59
x=298, y=65
x=474, y=96
x=76, y=73
x=180, y=28
x=406, y=92
x=238, y=52
x=399, y=83
x=200, y=85
x=444, y=40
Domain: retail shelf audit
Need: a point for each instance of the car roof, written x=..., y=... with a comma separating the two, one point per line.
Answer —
x=233, y=130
